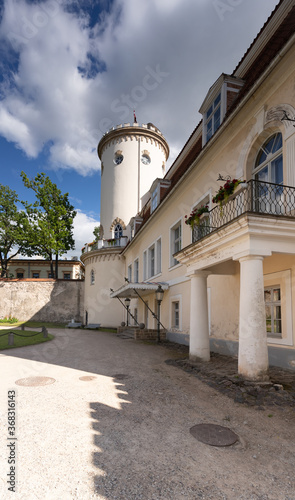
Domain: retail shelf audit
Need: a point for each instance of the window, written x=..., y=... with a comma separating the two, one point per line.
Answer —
x=153, y=257
x=136, y=271
x=159, y=256
x=272, y=297
x=92, y=277
x=118, y=231
x=20, y=275
x=175, y=315
x=135, y=313
x=151, y=261
x=144, y=265
x=154, y=199
x=130, y=273
x=50, y=275
x=269, y=168
x=212, y=118
x=175, y=242
x=67, y=276
x=36, y=274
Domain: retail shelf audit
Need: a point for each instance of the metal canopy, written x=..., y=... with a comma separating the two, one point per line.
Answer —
x=128, y=290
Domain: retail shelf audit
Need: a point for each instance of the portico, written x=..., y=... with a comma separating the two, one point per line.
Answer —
x=238, y=248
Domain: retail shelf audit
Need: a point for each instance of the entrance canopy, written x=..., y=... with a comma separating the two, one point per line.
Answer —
x=129, y=289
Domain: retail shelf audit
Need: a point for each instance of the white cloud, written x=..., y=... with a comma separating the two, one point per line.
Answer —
x=55, y=96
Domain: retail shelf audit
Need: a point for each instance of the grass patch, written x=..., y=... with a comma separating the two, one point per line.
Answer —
x=110, y=330
x=23, y=341
x=39, y=324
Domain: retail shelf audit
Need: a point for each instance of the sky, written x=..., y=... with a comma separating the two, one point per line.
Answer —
x=72, y=69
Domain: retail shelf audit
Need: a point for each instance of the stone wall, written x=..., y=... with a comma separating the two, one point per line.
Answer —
x=42, y=300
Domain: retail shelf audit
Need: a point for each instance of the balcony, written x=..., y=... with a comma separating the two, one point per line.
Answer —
x=100, y=244
x=261, y=198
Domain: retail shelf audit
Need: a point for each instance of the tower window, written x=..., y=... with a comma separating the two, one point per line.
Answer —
x=118, y=231
x=145, y=159
x=118, y=158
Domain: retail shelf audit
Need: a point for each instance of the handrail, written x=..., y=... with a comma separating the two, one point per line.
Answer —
x=257, y=197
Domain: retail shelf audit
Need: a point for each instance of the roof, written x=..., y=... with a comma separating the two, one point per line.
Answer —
x=130, y=289
x=261, y=57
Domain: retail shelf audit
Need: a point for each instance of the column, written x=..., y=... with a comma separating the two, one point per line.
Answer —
x=199, y=346
x=253, y=353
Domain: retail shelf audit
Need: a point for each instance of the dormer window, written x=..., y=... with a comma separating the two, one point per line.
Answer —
x=213, y=117
x=154, y=199
x=219, y=99
x=157, y=191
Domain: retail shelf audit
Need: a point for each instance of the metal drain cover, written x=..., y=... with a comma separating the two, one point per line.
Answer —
x=214, y=435
x=35, y=381
x=87, y=378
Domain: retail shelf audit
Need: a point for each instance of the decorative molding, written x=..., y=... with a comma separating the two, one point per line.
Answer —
x=117, y=221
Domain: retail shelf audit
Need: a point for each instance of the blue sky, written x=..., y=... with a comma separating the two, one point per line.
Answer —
x=71, y=69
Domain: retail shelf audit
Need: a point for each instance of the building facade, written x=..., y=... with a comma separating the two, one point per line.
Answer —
x=21, y=268
x=217, y=232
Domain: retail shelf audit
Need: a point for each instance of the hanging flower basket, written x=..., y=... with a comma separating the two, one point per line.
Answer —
x=195, y=216
x=226, y=190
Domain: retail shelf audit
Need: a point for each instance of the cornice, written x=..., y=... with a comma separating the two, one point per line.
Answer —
x=135, y=130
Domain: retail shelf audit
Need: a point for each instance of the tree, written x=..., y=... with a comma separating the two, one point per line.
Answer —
x=15, y=228
x=52, y=219
x=96, y=233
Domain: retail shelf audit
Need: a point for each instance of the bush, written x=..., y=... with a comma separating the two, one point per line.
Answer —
x=9, y=320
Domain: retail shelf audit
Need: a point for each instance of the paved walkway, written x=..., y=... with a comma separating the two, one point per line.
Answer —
x=115, y=425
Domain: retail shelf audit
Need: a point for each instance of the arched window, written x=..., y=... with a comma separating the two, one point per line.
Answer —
x=118, y=231
x=269, y=161
x=268, y=169
x=92, y=277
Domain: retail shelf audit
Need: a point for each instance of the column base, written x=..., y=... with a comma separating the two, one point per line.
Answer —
x=198, y=359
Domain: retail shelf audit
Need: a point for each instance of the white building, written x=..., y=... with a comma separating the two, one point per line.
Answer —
x=228, y=279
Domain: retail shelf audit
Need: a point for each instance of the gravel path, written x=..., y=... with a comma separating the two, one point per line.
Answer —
x=115, y=425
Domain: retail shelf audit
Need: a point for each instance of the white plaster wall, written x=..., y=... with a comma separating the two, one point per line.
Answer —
x=109, y=273
x=123, y=185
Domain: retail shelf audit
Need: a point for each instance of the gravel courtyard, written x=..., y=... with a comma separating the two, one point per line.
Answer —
x=114, y=423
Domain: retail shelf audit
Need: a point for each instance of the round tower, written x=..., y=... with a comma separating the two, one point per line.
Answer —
x=132, y=157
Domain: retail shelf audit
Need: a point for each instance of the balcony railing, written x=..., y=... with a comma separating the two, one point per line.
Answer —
x=257, y=197
x=113, y=243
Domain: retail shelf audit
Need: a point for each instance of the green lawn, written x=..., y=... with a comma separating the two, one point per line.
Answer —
x=22, y=341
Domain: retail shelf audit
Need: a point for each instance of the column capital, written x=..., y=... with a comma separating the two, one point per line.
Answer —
x=251, y=257
x=191, y=273
x=247, y=255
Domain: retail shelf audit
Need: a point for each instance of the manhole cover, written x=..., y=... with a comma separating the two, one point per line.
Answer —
x=214, y=435
x=87, y=378
x=35, y=381
x=120, y=376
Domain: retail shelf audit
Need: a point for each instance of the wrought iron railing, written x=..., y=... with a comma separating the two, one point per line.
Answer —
x=256, y=197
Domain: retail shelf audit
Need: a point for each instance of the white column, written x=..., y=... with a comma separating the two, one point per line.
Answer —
x=253, y=354
x=199, y=346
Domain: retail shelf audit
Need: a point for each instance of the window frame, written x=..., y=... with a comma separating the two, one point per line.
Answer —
x=172, y=240
x=129, y=273
x=152, y=260
x=92, y=277
x=284, y=281
x=136, y=270
x=272, y=304
x=175, y=299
